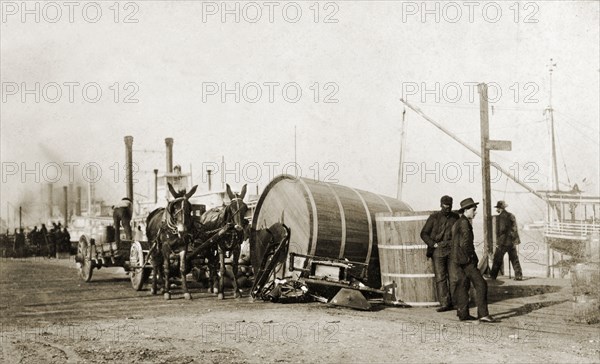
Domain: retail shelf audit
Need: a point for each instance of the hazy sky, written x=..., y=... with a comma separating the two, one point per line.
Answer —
x=173, y=59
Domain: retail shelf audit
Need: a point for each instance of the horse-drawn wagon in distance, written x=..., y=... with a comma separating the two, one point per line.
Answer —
x=99, y=248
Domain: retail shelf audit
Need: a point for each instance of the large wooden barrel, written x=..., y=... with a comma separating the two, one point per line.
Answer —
x=403, y=260
x=585, y=281
x=327, y=220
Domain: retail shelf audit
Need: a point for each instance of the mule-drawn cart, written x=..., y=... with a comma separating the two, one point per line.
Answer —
x=100, y=249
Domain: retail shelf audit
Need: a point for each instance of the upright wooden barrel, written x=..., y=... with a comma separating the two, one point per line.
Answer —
x=327, y=220
x=403, y=260
x=585, y=281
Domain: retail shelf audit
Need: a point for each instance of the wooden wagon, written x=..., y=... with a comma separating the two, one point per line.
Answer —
x=99, y=249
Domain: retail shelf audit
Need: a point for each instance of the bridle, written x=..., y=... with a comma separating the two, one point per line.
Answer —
x=239, y=207
x=170, y=222
x=228, y=243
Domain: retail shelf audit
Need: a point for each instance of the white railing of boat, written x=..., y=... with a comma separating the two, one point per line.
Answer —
x=571, y=230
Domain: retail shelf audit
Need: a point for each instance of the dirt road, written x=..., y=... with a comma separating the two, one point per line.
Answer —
x=49, y=316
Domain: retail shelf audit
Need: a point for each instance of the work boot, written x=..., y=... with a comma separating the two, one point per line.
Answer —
x=488, y=319
x=467, y=318
x=444, y=309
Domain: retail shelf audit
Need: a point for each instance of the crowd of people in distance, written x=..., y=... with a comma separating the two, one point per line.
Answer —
x=38, y=242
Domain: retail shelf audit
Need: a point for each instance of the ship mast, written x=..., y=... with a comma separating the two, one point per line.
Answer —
x=550, y=110
x=554, y=183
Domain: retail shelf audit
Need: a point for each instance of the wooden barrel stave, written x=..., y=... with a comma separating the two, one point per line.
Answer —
x=403, y=260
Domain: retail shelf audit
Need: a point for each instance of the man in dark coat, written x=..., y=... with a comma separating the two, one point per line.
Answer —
x=437, y=234
x=122, y=213
x=51, y=236
x=66, y=240
x=19, y=246
x=464, y=261
x=33, y=238
x=44, y=239
x=507, y=238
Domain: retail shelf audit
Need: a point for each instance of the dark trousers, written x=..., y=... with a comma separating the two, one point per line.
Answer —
x=513, y=256
x=456, y=277
x=469, y=273
x=121, y=216
x=441, y=260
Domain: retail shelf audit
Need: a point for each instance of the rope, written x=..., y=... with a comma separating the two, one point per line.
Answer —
x=563, y=158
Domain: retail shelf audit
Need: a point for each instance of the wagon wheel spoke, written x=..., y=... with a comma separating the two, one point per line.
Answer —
x=138, y=274
x=84, y=251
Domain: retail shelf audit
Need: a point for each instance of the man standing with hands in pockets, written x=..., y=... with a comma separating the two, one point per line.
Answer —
x=464, y=262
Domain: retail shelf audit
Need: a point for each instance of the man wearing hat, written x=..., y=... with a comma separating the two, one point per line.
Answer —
x=437, y=234
x=463, y=260
x=507, y=238
x=122, y=213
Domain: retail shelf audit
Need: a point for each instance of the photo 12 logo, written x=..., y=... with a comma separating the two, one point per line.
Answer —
x=437, y=332
x=253, y=172
x=70, y=92
x=454, y=92
x=89, y=12
x=469, y=11
x=269, y=12
x=112, y=333
x=453, y=172
x=269, y=91
x=53, y=172
x=286, y=332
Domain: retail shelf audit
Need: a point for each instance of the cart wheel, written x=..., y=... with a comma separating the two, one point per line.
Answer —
x=138, y=275
x=84, y=251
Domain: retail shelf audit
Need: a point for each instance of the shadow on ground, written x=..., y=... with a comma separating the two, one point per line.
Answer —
x=497, y=293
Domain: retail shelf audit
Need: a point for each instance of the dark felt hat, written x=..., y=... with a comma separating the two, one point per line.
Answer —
x=467, y=203
x=501, y=205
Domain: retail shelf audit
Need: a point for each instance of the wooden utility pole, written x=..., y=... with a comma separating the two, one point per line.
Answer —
x=485, y=174
x=486, y=146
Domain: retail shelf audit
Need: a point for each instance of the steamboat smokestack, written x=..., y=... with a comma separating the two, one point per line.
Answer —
x=66, y=205
x=78, y=203
x=156, y=186
x=169, y=144
x=50, y=187
x=209, y=172
x=129, y=165
x=72, y=198
x=90, y=199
